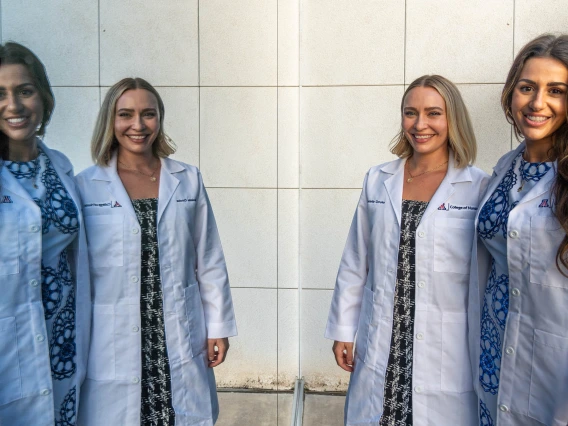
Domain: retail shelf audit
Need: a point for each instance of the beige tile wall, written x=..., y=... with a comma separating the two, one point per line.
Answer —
x=284, y=105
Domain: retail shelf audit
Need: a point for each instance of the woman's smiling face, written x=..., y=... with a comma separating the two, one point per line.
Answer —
x=538, y=104
x=424, y=120
x=21, y=105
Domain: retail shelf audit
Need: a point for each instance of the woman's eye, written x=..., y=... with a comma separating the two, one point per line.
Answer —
x=409, y=113
x=525, y=88
x=435, y=113
x=556, y=91
x=150, y=114
x=123, y=114
x=26, y=92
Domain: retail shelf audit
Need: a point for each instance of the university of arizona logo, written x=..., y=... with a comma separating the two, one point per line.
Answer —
x=442, y=207
x=116, y=204
x=6, y=199
x=544, y=203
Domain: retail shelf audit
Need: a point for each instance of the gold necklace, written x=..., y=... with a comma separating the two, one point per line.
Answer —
x=411, y=178
x=152, y=177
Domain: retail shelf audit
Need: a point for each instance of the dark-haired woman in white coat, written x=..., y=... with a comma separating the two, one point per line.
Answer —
x=403, y=280
x=162, y=309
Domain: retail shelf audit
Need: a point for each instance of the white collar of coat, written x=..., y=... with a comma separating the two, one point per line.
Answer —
x=505, y=161
x=109, y=172
x=59, y=161
x=454, y=174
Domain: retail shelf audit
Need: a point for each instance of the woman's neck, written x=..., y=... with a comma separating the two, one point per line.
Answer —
x=138, y=161
x=420, y=162
x=22, y=151
x=538, y=151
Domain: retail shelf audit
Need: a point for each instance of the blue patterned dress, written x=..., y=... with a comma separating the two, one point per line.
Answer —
x=59, y=227
x=492, y=229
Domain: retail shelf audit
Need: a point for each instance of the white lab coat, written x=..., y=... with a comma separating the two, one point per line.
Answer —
x=363, y=299
x=533, y=385
x=26, y=396
x=197, y=297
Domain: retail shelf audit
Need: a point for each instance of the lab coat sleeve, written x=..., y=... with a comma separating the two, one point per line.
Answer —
x=346, y=303
x=211, y=271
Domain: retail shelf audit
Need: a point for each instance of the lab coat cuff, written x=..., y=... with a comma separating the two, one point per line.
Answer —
x=341, y=333
x=218, y=330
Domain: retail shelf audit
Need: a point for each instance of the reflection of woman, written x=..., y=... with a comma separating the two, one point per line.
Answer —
x=519, y=300
x=45, y=299
x=162, y=301
x=403, y=279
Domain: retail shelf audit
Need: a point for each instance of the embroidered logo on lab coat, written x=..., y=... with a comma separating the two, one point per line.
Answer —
x=449, y=206
x=116, y=204
x=544, y=204
x=375, y=202
x=442, y=207
x=185, y=200
x=6, y=199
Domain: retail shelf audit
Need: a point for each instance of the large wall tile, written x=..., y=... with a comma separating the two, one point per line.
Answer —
x=72, y=123
x=155, y=41
x=288, y=42
x=535, y=18
x=288, y=237
x=345, y=131
x=252, y=357
x=237, y=42
x=63, y=34
x=288, y=137
x=288, y=338
x=319, y=368
x=469, y=43
x=492, y=131
x=182, y=121
x=247, y=224
x=238, y=136
x=346, y=44
x=325, y=217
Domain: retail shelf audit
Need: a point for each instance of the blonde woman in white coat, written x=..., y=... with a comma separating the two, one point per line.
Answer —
x=162, y=311
x=44, y=280
x=403, y=279
x=519, y=295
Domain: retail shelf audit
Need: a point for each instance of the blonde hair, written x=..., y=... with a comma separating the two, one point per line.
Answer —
x=104, y=143
x=460, y=131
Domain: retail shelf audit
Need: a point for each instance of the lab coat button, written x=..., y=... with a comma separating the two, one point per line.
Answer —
x=134, y=279
x=135, y=329
x=34, y=228
x=516, y=292
x=514, y=234
x=40, y=338
x=503, y=408
x=135, y=230
x=135, y=380
x=420, y=336
x=34, y=283
x=510, y=350
x=421, y=234
x=418, y=389
x=45, y=392
x=421, y=284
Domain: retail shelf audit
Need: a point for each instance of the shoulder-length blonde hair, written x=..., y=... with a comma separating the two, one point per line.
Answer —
x=104, y=143
x=460, y=131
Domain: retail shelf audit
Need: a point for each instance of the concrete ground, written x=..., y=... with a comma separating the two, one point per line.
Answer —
x=271, y=409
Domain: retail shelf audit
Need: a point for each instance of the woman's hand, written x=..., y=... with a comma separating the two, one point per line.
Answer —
x=343, y=352
x=217, y=350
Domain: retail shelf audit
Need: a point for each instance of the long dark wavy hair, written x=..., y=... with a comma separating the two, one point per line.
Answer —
x=547, y=46
x=12, y=53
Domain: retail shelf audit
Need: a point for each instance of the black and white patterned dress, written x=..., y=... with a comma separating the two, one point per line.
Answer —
x=397, y=405
x=156, y=381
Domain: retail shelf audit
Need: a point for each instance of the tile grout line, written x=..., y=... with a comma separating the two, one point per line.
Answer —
x=198, y=90
x=277, y=224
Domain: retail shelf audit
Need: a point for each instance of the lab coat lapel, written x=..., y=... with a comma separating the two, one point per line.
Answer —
x=115, y=186
x=394, y=183
x=168, y=183
x=446, y=188
x=541, y=187
x=10, y=183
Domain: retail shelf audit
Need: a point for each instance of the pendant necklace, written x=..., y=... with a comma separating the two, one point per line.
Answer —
x=411, y=178
x=152, y=177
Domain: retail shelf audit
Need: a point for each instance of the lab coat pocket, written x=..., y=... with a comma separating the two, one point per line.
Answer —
x=548, y=400
x=368, y=328
x=105, y=240
x=453, y=241
x=102, y=356
x=10, y=379
x=546, y=236
x=9, y=261
x=456, y=366
x=195, y=319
